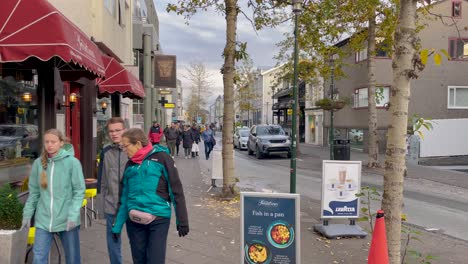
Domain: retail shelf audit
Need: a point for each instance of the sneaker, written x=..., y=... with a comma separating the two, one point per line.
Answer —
x=172, y=156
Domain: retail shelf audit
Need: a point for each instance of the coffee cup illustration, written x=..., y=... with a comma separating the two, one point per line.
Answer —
x=341, y=192
x=332, y=184
x=342, y=175
x=350, y=185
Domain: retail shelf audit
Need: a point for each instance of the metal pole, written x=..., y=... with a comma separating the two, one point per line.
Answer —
x=147, y=81
x=332, y=132
x=292, y=180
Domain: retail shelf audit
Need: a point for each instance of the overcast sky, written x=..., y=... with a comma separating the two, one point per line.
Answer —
x=203, y=41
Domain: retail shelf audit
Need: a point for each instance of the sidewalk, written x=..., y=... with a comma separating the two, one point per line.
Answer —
x=215, y=229
x=315, y=154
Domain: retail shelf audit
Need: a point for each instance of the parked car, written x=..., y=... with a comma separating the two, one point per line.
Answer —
x=268, y=139
x=241, y=136
x=24, y=138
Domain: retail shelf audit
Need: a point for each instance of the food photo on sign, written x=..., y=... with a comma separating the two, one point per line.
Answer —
x=268, y=228
x=340, y=184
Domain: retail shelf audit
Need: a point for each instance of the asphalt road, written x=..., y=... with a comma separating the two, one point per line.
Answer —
x=435, y=206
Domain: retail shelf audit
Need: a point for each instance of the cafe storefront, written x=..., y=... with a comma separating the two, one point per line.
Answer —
x=48, y=68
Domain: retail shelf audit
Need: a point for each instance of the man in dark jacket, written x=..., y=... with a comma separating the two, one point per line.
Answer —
x=110, y=172
x=196, y=138
x=171, y=134
x=155, y=133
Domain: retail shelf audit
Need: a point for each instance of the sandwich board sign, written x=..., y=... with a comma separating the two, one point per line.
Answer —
x=341, y=182
x=270, y=228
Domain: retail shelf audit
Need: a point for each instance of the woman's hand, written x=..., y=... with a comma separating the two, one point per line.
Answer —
x=26, y=224
x=115, y=237
x=183, y=230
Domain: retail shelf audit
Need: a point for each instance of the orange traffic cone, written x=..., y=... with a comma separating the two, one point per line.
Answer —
x=378, y=253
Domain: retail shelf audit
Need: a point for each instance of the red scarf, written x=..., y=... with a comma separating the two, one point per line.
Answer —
x=141, y=154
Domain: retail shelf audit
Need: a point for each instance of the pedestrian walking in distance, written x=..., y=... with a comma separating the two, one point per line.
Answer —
x=110, y=173
x=56, y=191
x=196, y=137
x=146, y=208
x=155, y=133
x=208, y=139
x=187, y=141
x=171, y=135
x=179, y=138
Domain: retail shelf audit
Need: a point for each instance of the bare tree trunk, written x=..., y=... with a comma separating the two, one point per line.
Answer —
x=404, y=50
x=373, y=160
x=228, y=81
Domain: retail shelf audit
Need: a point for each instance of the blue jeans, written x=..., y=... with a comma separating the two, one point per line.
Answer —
x=113, y=247
x=148, y=242
x=208, y=149
x=70, y=242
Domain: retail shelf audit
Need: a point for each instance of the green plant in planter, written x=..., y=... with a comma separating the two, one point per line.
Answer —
x=329, y=104
x=11, y=209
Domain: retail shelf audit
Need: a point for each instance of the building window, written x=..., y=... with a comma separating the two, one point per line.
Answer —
x=20, y=141
x=458, y=97
x=136, y=57
x=456, y=9
x=110, y=6
x=382, y=96
x=381, y=50
x=138, y=106
x=122, y=11
x=361, y=55
x=458, y=49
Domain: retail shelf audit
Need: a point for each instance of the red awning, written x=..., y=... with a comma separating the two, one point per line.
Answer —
x=34, y=28
x=119, y=80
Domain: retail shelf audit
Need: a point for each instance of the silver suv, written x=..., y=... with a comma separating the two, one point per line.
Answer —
x=268, y=139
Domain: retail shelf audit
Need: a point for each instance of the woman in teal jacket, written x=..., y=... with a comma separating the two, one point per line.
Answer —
x=56, y=192
x=151, y=184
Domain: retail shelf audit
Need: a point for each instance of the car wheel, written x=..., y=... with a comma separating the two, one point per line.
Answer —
x=289, y=155
x=250, y=152
x=258, y=153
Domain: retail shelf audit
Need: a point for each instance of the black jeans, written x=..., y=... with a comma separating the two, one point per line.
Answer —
x=148, y=242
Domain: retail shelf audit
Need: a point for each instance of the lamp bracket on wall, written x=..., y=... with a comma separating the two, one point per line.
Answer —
x=103, y=107
x=72, y=99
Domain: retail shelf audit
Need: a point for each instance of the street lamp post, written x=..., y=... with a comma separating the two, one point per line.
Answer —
x=332, y=88
x=297, y=8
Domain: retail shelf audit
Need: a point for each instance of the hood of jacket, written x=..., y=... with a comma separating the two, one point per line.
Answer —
x=66, y=151
x=158, y=148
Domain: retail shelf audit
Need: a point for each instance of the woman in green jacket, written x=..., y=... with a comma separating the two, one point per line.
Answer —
x=151, y=184
x=56, y=192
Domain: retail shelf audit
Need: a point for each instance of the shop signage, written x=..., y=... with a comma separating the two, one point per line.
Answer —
x=341, y=181
x=169, y=105
x=165, y=92
x=270, y=228
x=165, y=71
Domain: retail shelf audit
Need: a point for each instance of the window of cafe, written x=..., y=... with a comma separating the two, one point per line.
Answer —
x=20, y=141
